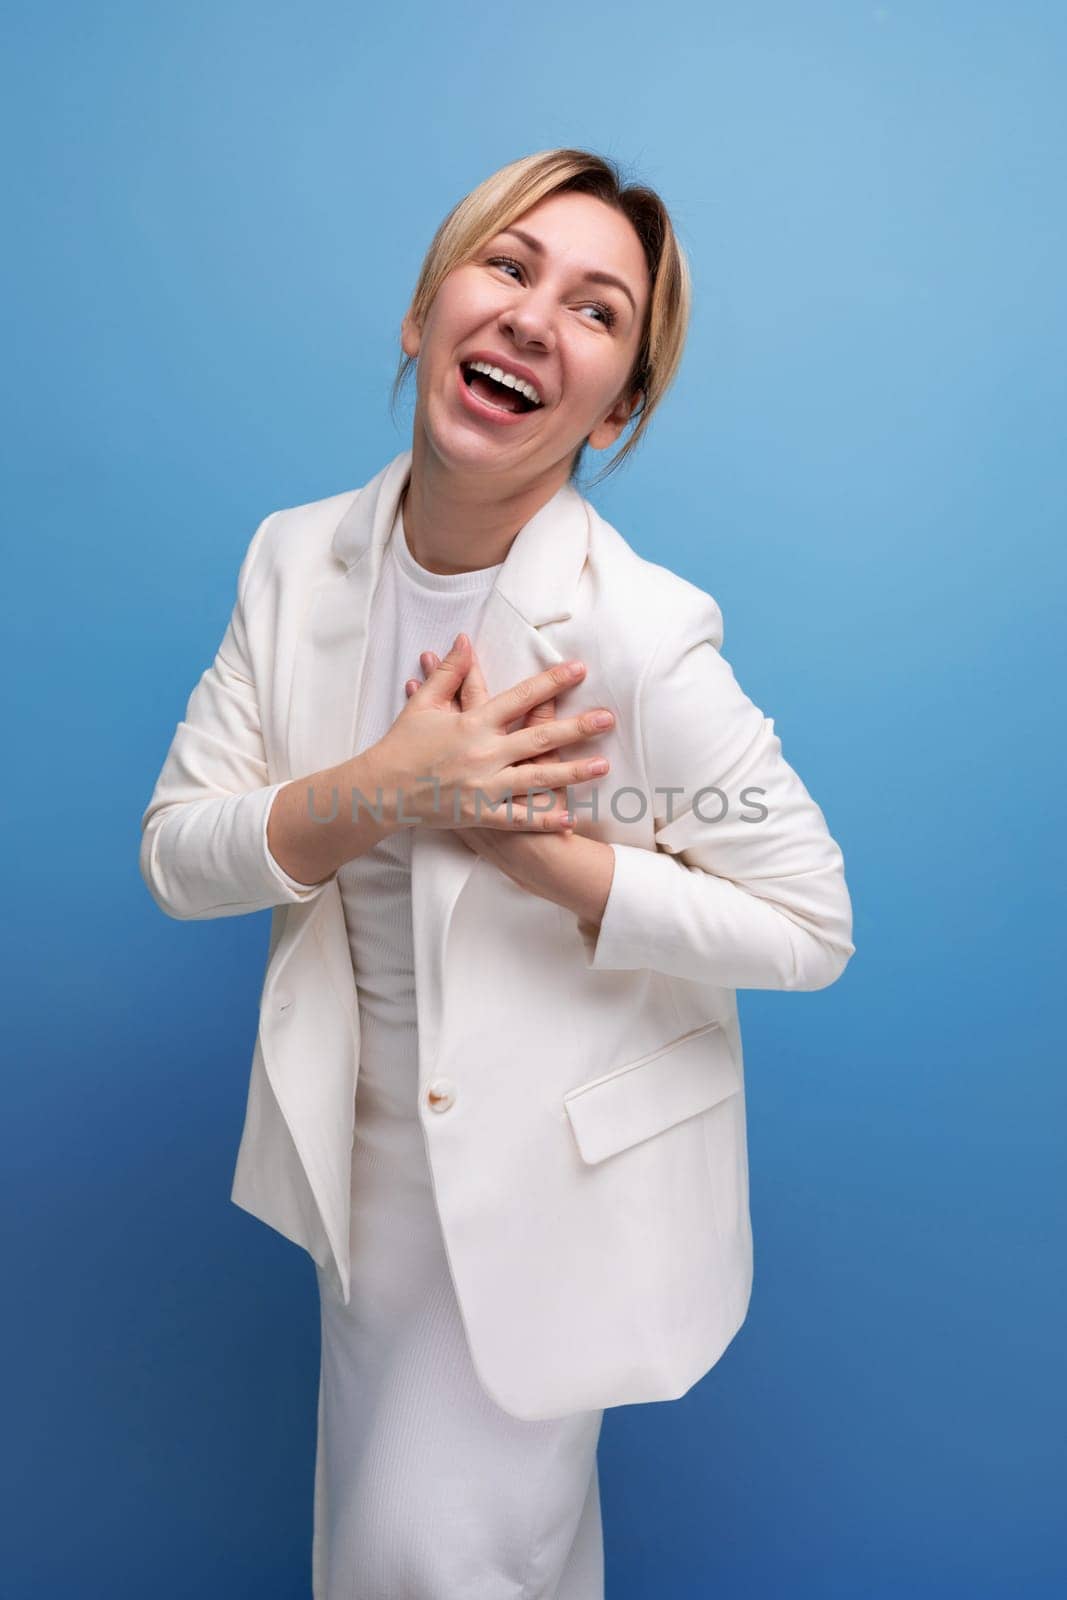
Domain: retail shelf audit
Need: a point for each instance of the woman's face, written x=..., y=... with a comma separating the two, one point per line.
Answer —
x=531, y=303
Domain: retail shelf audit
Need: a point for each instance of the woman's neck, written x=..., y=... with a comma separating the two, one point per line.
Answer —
x=461, y=525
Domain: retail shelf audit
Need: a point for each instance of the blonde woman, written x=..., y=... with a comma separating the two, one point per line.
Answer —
x=523, y=837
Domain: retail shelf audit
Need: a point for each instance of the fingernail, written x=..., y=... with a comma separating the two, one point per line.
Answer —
x=574, y=667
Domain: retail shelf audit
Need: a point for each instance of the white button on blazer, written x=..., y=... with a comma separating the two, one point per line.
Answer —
x=581, y=1090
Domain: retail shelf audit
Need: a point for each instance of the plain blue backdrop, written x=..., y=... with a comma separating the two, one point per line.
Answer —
x=216, y=213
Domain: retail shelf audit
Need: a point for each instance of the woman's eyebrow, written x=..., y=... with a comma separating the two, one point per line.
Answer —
x=590, y=277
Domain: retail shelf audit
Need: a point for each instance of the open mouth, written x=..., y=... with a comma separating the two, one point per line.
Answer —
x=501, y=396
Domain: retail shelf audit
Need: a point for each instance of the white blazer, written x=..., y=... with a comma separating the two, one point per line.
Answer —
x=581, y=1092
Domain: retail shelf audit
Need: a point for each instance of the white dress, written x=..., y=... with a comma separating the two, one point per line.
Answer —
x=425, y=1489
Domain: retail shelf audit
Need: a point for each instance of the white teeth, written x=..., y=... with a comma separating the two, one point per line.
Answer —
x=508, y=378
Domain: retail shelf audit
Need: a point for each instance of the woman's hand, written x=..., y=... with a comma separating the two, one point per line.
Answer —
x=449, y=767
x=560, y=866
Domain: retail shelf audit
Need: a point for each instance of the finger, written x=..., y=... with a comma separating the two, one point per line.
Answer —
x=429, y=661
x=473, y=692
x=443, y=682
x=522, y=820
x=543, y=775
x=544, y=736
x=522, y=697
x=545, y=712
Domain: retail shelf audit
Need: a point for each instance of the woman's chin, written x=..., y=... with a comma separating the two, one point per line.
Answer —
x=461, y=442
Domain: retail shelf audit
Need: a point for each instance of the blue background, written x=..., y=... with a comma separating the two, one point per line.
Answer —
x=216, y=213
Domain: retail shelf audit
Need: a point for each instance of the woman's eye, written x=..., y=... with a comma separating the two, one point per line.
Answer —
x=606, y=312
x=504, y=261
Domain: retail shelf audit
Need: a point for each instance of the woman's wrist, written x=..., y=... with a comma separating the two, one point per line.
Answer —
x=569, y=869
x=318, y=823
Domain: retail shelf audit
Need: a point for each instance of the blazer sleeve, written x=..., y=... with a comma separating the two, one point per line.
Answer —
x=204, y=849
x=745, y=888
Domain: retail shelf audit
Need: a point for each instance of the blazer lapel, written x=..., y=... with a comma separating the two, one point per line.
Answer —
x=332, y=646
x=535, y=586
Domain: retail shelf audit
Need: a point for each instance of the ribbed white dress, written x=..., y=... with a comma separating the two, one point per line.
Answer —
x=425, y=1489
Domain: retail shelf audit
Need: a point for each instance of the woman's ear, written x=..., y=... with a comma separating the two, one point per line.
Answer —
x=410, y=335
x=605, y=433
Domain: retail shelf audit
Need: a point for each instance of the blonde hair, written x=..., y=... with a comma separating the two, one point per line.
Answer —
x=504, y=196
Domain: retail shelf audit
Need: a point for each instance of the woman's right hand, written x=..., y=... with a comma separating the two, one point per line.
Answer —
x=474, y=762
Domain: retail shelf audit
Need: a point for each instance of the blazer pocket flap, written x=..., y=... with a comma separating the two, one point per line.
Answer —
x=646, y=1096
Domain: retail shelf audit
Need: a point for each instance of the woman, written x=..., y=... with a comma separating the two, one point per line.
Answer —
x=497, y=1091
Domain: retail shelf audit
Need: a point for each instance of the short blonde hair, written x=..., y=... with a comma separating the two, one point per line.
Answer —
x=504, y=196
